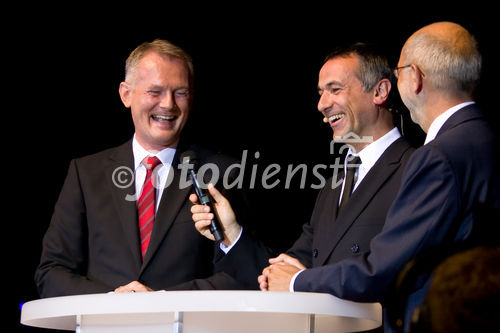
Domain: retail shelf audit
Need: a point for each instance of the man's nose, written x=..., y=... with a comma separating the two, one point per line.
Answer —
x=168, y=101
x=324, y=103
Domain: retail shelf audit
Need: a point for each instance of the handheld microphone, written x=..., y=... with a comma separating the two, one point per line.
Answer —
x=204, y=197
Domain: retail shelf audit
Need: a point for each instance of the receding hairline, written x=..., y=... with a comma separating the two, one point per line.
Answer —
x=161, y=47
x=449, y=55
x=451, y=34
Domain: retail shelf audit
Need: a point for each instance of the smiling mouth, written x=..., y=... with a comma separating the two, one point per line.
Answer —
x=336, y=117
x=333, y=120
x=163, y=119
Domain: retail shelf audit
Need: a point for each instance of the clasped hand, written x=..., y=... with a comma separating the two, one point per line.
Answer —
x=132, y=287
x=278, y=275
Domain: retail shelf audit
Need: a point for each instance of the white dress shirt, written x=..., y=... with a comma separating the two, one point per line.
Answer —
x=166, y=157
x=369, y=156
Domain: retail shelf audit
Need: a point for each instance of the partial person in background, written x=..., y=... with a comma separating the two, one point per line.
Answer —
x=464, y=294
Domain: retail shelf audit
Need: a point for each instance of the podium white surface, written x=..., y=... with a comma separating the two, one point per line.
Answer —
x=202, y=312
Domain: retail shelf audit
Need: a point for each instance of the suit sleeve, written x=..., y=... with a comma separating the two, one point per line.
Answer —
x=240, y=268
x=246, y=260
x=426, y=206
x=62, y=268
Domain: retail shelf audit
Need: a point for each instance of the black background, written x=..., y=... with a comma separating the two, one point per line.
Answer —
x=255, y=88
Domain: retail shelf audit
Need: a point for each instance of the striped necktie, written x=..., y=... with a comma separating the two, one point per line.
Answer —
x=147, y=203
x=352, y=164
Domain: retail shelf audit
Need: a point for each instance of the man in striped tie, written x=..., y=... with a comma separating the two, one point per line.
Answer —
x=122, y=222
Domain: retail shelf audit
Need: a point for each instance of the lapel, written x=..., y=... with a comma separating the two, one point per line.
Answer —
x=382, y=170
x=122, y=158
x=336, y=199
x=172, y=200
x=465, y=114
x=326, y=227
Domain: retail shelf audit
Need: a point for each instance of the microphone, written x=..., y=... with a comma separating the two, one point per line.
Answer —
x=204, y=197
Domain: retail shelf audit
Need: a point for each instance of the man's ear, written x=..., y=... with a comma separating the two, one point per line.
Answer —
x=381, y=91
x=416, y=79
x=124, y=91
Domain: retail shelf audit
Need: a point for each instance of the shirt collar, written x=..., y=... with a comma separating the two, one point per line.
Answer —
x=371, y=153
x=441, y=119
x=166, y=156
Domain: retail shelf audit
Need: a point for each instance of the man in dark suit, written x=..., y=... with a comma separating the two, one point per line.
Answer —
x=95, y=242
x=354, y=85
x=444, y=184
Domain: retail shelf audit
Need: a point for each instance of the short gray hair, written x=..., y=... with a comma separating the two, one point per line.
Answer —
x=452, y=66
x=373, y=65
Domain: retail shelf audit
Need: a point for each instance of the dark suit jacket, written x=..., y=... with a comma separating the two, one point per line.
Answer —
x=92, y=243
x=442, y=185
x=328, y=238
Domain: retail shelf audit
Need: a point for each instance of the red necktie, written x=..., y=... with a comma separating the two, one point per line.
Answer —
x=147, y=203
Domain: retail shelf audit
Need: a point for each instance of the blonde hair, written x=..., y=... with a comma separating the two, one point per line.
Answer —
x=163, y=48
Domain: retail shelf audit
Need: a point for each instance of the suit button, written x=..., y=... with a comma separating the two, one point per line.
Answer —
x=315, y=253
x=355, y=248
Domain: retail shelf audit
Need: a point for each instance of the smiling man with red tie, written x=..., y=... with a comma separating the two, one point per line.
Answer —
x=122, y=221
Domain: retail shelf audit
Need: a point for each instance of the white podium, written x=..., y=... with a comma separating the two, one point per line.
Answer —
x=202, y=312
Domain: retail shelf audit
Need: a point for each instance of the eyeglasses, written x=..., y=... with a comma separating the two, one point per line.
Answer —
x=397, y=69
